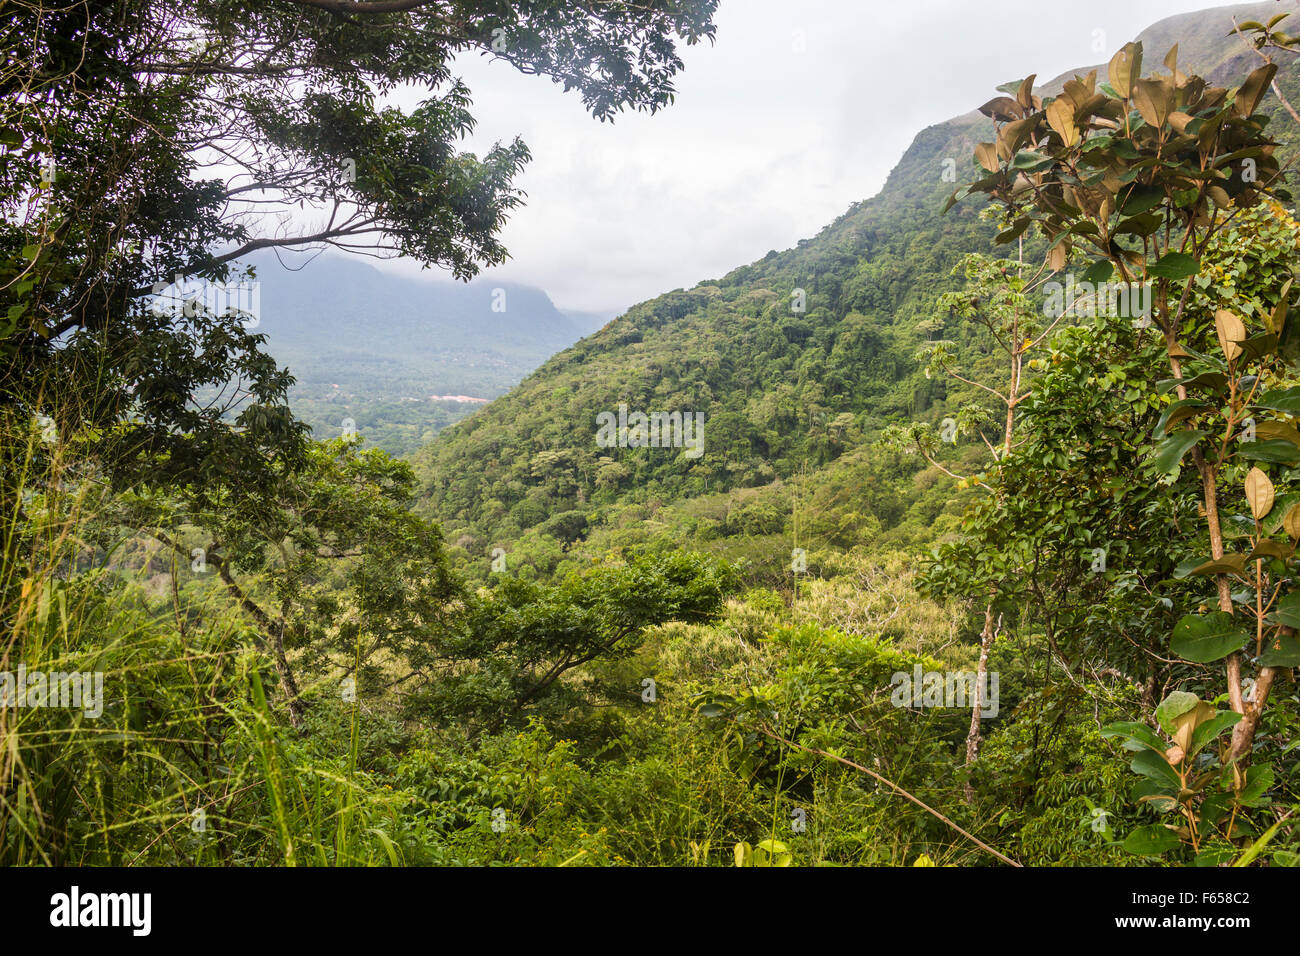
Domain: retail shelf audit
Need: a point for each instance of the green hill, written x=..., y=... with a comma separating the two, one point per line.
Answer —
x=795, y=361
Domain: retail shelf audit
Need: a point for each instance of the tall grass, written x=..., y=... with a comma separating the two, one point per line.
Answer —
x=189, y=762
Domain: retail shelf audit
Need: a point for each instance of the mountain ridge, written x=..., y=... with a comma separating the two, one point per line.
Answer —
x=783, y=390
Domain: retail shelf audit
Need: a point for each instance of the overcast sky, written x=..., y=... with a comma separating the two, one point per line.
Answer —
x=801, y=108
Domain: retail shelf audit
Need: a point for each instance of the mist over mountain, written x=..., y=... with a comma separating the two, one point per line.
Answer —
x=376, y=348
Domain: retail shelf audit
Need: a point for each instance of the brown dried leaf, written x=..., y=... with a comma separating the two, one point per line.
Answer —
x=1231, y=331
x=1259, y=492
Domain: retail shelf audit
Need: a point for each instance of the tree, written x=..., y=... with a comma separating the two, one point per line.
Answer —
x=1150, y=173
x=144, y=140
x=329, y=561
x=998, y=299
x=515, y=642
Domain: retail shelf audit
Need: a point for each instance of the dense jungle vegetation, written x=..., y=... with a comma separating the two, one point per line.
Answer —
x=520, y=647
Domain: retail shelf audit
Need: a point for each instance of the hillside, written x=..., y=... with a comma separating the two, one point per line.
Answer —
x=782, y=391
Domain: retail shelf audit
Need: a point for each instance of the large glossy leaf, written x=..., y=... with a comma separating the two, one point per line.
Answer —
x=1154, y=795
x=1205, y=638
x=1174, y=265
x=1151, y=840
x=1184, y=408
x=1141, y=198
x=1100, y=271
x=1228, y=564
x=1278, y=452
x=1266, y=550
x=1215, y=382
x=1173, y=707
x=1277, y=431
x=1257, y=346
x=1258, y=779
x=1027, y=160
x=1287, y=610
x=1169, y=453
x=1253, y=89
x=1154, y=765
x=1283, y=651
x=1137, y=736
x=1211, y=729
x=1286, y=400
x=1016, y=230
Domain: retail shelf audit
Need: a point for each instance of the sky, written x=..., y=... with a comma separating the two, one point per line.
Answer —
x=799, y=109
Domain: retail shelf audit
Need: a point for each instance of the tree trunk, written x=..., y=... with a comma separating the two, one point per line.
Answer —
x=973, y=737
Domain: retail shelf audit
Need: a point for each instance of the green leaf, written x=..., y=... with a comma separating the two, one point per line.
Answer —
x=1099, y=271
x=1183, y=408
x=1151, y=840
x=1156, y=767
x=1288, y=610
x=1174, y=265
x=1285, y=654
x=1142, y=198
x=1186, y=566
x=1257, y=346
x=1253, y=89
x=1286, y=401
x=1154, y=795
x=1228, y=564
x=1030, y=161
x=1168, y=455
x=1277, y=451
x=1173, y=707
x=1206, y=638
x=1258, y=779
x=1017, y=229
x=1141, y=225
x=1267, y=550
x=1137, y=736
x=1215, y=382
x=1211, y=729
x=1277, y=430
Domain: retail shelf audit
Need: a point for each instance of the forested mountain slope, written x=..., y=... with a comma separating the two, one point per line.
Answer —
x=793, y=360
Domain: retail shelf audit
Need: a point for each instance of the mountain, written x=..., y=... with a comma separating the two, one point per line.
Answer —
x=376, y=348
x=795, y=361
x=588, y=322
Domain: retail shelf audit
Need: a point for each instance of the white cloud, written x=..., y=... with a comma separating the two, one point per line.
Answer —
x=764, y=145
